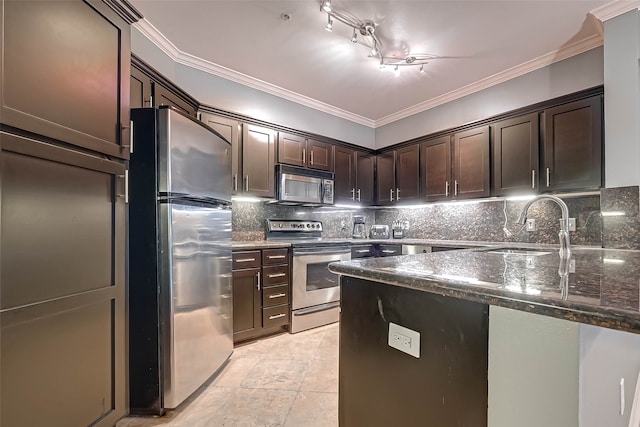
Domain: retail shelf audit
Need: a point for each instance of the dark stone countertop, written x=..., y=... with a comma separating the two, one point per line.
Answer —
x=602, y=287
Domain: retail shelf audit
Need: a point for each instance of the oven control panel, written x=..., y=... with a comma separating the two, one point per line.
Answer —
x=293, y=225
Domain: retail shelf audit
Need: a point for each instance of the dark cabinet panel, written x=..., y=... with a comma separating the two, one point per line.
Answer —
x=353, y=175
x=141, y=89
x=344, y=175
x=363, y=251
x=436, y=168
x=258, y=160
x=573, y=145
x=230, y=130
x=515, y=155
x=247, y=300
x=69, y=72
x=164, y=96
x=320, y=155
x=300, y=151
x=471, y=176
x=385, y=178
x=380, y=386
x=261, y=290
x=408, y=173
x=62, y=286
x=365, y=166
x=292, y=149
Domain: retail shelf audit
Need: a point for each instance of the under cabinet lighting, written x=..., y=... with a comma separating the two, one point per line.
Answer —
x=612, y=261
x=247, y=199
x=613, y=213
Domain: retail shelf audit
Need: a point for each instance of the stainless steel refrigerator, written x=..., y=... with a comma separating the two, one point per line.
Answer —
x=180, y=296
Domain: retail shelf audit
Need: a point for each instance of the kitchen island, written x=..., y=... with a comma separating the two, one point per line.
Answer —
x=501, y=329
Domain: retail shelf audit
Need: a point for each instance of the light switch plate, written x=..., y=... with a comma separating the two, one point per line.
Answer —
x=404, y=339
x=572, y=224
x=531, y=224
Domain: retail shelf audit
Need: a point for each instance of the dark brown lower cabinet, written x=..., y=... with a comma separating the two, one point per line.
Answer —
x=382, y=386
x=247, y=307
x=261, y=293
x=62, y=286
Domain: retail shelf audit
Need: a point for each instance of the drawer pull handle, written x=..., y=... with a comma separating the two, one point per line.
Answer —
x=276, y=256
x=363, y=251
x=271, y=276
x=388, y=251
x=280, y=295
x=245, y=260
x=276, y=316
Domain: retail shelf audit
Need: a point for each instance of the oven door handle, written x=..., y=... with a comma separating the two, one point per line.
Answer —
x=320, y=251
x=316, y=308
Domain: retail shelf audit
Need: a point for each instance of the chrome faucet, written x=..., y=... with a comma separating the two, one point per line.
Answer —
x=563, y=235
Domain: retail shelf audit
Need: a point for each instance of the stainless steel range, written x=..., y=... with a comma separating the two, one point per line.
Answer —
x=315, y=290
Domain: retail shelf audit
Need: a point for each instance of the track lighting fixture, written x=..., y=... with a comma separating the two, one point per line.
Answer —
x=329, y=26
x=370, y=39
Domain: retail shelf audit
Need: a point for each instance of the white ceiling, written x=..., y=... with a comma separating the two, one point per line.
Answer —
x=478, y=43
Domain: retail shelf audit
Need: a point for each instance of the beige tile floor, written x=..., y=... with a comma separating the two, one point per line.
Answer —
x=284, y=380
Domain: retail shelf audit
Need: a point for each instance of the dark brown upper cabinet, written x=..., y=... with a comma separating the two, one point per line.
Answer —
x=149, y=88
x=515, y=145
x=353, y=176
x=230, y=130
x=435, y=166
x=572, y=146
x=398, y=174
x=471, y=175
x=308, y=153
x=386, y=178
x=457, y=166
x=258, y=160
x=69, y=72
x=408, y=173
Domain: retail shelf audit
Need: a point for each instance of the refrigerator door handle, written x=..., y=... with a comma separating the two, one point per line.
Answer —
x=126, y=186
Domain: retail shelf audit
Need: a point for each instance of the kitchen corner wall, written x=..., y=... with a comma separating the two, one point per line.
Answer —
x=479, y=220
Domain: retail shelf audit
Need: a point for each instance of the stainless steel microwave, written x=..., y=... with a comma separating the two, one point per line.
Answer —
x=299, y=186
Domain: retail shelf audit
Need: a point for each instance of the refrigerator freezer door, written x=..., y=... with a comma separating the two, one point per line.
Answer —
x=192, y=159
x=196, y=296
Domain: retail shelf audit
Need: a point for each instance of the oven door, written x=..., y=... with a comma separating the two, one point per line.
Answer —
x=313, y=283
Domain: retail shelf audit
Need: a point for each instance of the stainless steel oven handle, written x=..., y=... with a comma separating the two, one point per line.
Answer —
x=317, y=308
x=320, y=251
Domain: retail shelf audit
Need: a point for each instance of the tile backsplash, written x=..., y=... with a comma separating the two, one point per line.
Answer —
x=479, y=220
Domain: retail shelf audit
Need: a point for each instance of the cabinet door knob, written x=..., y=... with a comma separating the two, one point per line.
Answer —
x=533, y=178
x=391, y=195
x=311, y=157
x=455, y=187
x=304, y=156
x=446, y=189
x=397, y=194
x=358, y=194
x=258, y=281
x=353, y=194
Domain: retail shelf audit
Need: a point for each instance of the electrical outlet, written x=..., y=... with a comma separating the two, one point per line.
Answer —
x=404, y=339
x=531, y=224
x=572, y=224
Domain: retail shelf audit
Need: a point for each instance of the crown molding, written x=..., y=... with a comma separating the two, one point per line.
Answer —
x=165, y=45
x=615, y=8
x=501, y=77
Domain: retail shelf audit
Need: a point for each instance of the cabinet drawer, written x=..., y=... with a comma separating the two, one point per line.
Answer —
x=389, y=250
x=276, y=275
x=275, y=256
x=362, y=251
x=275, y=295
x=246, y=259
x=275, y=316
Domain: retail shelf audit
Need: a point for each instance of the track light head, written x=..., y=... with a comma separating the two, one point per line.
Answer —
x=329, y=26
x=326, y=6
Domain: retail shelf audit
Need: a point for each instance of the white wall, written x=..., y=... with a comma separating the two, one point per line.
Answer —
x=570, y=75
x=622, y=100
x=230, y=96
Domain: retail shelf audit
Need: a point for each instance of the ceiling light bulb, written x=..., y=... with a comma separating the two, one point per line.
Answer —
x=329, y=26
x=396, y=71
x=326, y=5
x=422, y=69
x=354, y=39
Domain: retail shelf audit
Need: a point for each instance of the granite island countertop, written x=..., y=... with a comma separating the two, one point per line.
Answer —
x=601, y=287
